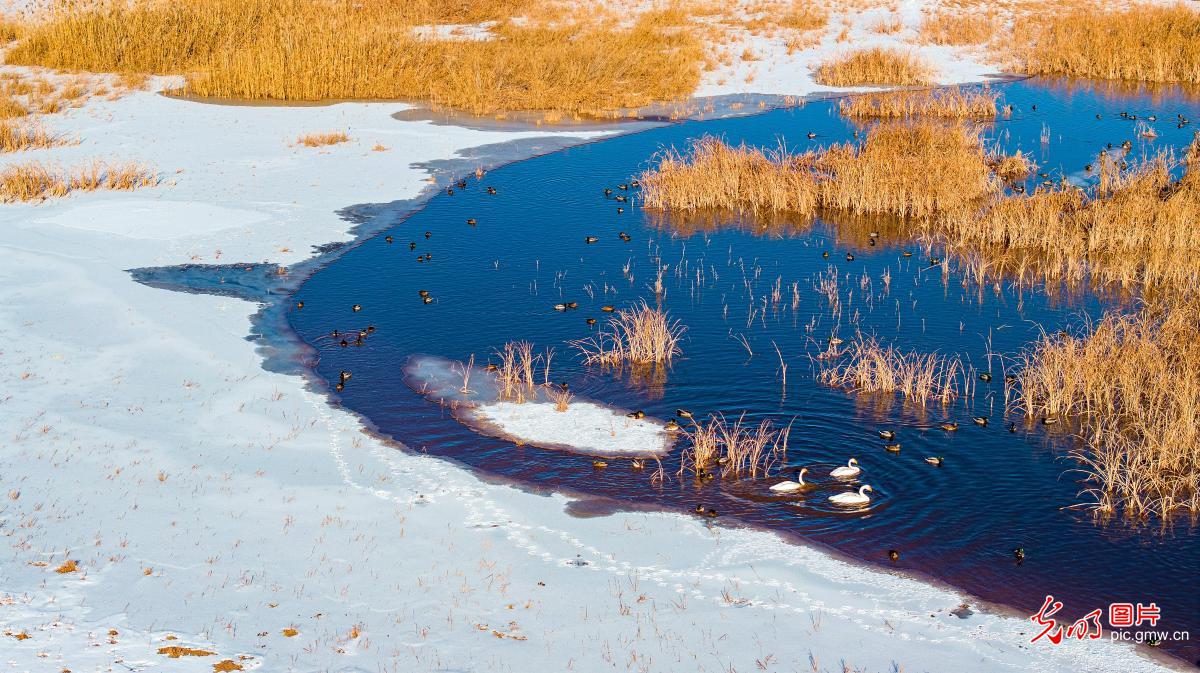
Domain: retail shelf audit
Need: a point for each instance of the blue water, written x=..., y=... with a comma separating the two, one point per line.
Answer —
x=497, y=282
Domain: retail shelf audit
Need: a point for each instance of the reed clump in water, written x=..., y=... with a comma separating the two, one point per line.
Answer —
x=640, y=335
x=875, y=66
x=715, y=175
x=734, y=449
x=301, y=50
x=869, y=367
x=322, y=139
x=516, y=370
x=1130, y=381
x=37, y=181
x=1146, y=43
x=951, y=103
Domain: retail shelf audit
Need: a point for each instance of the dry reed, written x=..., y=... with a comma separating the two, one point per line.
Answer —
x=1144, y=43
x=1131, y=383
x=868, y=367
x=875, y=66
x=322, y=139
x=18, y=136
x=946, y=28
x=301, y=50
x=36, y=181
x=639, y=336
x=735, y=449
x=952, y=103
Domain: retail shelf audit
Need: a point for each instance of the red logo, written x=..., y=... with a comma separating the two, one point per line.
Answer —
x=1087, y=626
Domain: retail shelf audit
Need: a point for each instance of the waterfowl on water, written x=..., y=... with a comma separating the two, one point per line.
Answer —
x=981, y=420
x=860, y=498
x=622, y=187
x=637, y=463
x=389, y=239
x=370, y=329
x=949, y=427
x=699, y=509
x=299, y=304
x=560, y=307
x=985, y=376
x=491, y=190
x=1033, y=107
x=620, y=210
x=450, y=191
x=471, y=221
x=344, y=375
x=340, y=387
x=893, y=555
x=1153, y=118
x=335, y=334
x=362, y=334
x=683, y=413
x=1099, y=116
x=907, y=253
x=572, y=304
x=591, y=321
x=423, y=293
x=894, y=448
x=621, y=199
x=634, y=183
x=608, y=192
x=825, y=254
x=428, y=234
x=811, y=135
x=462, y=184
x=636, y=414
x=1010, y=378
x=489, y=367
x=934, y=261
x=849, y=257
x=412, y=245
x=427, y=300
x=791, y=486
x=599, y=464
x=1020, y=189
x=711, y=513
x=420, y=258
x=1019, y=554
x=1012, y=427
x=671, y=426
x=871, y=242
x=607, y=309
x=356, y=308
x=935, y=460
x=343, y=343
x=1049, y=420
x=850, y=469
x=624, y=237
x=1087, y=167
x=887, y=434
x=591, y=239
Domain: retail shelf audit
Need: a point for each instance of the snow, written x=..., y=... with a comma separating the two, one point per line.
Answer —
x=210, y=503
x=585, y=427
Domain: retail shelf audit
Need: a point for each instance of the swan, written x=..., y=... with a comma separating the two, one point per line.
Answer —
x=851, y=469
x=860, y=498
x=791, y=486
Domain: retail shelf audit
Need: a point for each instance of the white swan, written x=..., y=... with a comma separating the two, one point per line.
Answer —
x=851, y=469
x=791, y=486
x=860, y=498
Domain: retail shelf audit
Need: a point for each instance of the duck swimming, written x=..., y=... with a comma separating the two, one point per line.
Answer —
x=981, y=420
x=893, y=555
x=412, y=245
x=591, y=239
x=491, y=190
x=986, y=376
x=389, y=239
x=887, y=434
x=599, y=464
x=299, y=304
x=949, y=427
x=638, y=463
x=471, y=221
x=849, y=257
x=356, y=308
x=607, y=309
x=671, y=426
x=591, y=321
x=428, y=234
x=935, y=460
x=850, y=469
x=852, y=498
x=791, y=486
x=683, y=413
x=894, y=448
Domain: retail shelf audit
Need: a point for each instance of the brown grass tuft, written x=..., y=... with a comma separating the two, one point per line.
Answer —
x=952, y=103
x=958, y=29
x=638, y=336
x=1130, y=381
x=35, y=181
x=875, y=66
x=18, y=136
x=322, y=139
x=735, y=449
x=868, y=367
x=1144, y=43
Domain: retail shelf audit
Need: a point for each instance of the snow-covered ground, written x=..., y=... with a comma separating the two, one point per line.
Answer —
x=213, y=505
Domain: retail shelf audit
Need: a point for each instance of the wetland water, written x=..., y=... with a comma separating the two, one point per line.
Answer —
x=997, y=490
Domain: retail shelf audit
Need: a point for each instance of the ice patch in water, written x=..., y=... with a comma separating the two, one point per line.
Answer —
x=587, y=426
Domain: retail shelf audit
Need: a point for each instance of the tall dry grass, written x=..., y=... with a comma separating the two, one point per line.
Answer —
x=734, y=449
x=37, y=181
x=322, y=139
x=1130, y=381
x=1151, y=43
x=869, y=367
x=958, y=28
x=640, y=335
x=23, y=135
x=951, y=103
x=875, y=66
x=303, y=50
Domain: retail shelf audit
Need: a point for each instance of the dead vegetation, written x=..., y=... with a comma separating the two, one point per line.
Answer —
x=959, y=28
x=875, y=66
x=950, y=103
x=323, y=139
x=867, y=366
x=1130, y=383
x=640, y=335
x=16, y=136
x=37, y=181
x=734, y=449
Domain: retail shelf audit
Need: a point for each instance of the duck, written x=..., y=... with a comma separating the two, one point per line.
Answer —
x=412, y=245
x=849, y=257
x=811, y=135
x=672, y=426
x=1012, y=427
x=934, y=261
x=560, y=307
x=427, y=300
x=683, y=413
x=623, y=187
x=850, y=469
x=624, y=237
x=343, y=343
x=607, y=309
x=621, y=199
x=591, y=239
x=1099, y=116
x=949, y=427
x=607, y=192
x=637, y=463
x=462, y=184
x=1019, y=554
x=590, y=321
x=894, y=448
x=791, y=486
x=335, y=334
x=1010, y=378
x=825, y=254
x=489, y=367
x=389, y=239
x=636, y=414
x=471, y=221
x=370, y=329
x=699, y=509
x=344, y=375
x=1033, y=107
x=1152, y=118
x=635, y=183
x=852, y=498
x=572, y=304
x=935, y=460
x=299, y=304
x=620, y=210
x=887, y=434
x=491, y=190
x=985, y=376
x=423, y=293
x=711, y=513
x=907, y=253
x=893, y=555
x=449, y=191
x=980, y=420
x=428, y=234
x=356, y=308
x=1049, y=420
x=340, y=387
x=599, y=464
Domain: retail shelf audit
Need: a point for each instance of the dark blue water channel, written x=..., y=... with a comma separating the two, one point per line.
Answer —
x=997, y=490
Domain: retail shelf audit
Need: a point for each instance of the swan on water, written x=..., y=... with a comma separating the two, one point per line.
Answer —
x=850, y=469
x=791, y=486
x=860, y=498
